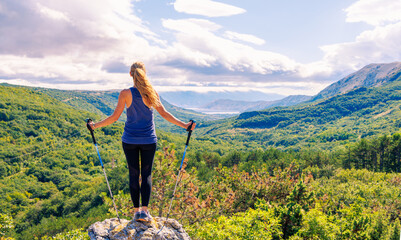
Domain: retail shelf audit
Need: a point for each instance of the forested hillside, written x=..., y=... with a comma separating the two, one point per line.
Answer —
x=103, y=104
x=344, y=118
x=49, y=175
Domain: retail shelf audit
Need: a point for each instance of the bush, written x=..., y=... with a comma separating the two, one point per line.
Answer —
x=6, y=224
x=78, y=234
x=317, y=225
x=259, y=223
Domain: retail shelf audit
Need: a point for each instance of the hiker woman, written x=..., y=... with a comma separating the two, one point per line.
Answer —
x=139, y=137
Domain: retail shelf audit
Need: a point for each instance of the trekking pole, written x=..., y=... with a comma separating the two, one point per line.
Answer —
x=189, y=130
x=88, y=121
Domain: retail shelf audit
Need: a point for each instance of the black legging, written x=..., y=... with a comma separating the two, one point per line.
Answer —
x=147, y=152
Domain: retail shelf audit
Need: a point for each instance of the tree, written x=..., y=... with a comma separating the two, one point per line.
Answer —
x=291, y=214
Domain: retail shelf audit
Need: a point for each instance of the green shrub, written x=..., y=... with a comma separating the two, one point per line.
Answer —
x=259, y=223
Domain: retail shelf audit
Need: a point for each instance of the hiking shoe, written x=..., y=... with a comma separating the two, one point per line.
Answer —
x=150, y=218
x=144, y=217
x=137, y=215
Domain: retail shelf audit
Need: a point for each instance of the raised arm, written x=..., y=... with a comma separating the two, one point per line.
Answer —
x=122, y=101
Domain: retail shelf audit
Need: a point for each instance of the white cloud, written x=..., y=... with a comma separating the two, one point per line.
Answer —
x=214, y=50
x=244, y=37
x=88, y=26
x=374, y=12
x=377, y=45
x=68, y=44
x=58, y=72
x=52, y=13
x=191, y=25
x=206, y=8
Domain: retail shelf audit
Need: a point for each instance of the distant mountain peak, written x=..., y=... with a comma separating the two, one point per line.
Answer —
x=372, y=75
x=244, y=106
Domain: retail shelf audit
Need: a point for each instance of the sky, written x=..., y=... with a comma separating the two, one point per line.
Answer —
x=266, y=48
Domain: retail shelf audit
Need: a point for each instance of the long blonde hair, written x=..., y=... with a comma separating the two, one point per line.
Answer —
x=142, y=83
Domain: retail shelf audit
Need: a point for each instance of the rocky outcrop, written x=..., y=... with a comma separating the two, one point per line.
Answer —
x=112, y=229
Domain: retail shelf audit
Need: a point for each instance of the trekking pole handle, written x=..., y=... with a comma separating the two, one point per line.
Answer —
x=88, y=122
x=189, y=130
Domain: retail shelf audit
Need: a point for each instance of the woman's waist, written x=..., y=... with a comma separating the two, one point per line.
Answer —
x=139, y=128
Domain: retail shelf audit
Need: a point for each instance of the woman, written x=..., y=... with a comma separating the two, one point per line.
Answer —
x=139, y=137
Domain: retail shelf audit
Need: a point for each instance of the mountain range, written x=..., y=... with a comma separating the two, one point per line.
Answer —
x=363, y=104
x=194, y=100
x=369, y=76
x=227, y=105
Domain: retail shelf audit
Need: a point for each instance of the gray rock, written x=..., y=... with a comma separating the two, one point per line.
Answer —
x=112, y=229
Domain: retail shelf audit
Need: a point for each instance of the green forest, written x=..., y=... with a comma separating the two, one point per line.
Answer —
x=322, y=170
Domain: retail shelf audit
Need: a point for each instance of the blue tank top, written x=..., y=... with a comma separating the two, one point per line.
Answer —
x=139, y=127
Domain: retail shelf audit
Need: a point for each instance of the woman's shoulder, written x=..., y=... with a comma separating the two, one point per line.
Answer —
x=126, y=94
x=125, y=91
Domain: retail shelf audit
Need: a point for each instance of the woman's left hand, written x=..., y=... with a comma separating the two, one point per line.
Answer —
x=189, y=123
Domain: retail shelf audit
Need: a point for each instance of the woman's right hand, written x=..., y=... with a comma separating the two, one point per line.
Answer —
x=91, y=125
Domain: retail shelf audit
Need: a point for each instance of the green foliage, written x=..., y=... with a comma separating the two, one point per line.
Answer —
x=394, y=232
x=291, y=213
x=77, y=234
x=317, y=225
x=354, y=223
x=376, y=154
x=6, y=224
x=258, y=223
x=336, y=211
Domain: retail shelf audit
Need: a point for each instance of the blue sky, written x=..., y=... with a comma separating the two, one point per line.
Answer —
x=276, y=48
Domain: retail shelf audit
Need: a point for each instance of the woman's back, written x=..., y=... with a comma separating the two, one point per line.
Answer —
x=139, y=127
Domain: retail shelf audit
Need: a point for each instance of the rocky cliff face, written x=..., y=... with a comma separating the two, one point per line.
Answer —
x=112, y=229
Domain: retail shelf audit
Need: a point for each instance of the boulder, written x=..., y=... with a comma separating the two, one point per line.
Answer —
x=112, y=229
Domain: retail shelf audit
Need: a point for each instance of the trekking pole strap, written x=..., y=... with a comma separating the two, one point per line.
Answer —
x=88, y=121
x=189, y=131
